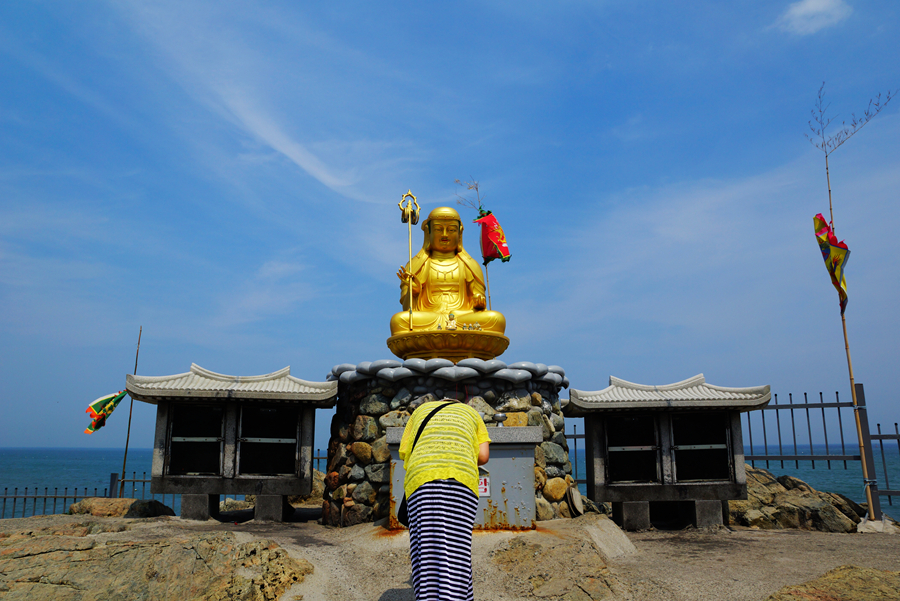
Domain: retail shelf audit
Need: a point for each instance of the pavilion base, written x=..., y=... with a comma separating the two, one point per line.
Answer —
x=632, y=515
x=199, y=507
x=272, y=508
x=636, y=515
x=706, y=514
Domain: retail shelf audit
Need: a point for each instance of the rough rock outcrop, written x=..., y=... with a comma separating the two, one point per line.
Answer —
x=82, y=559
x=103, y=507
x=845, y=583
x=561, y=566
x=786, y=502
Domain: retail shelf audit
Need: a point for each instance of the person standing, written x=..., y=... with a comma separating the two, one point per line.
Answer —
x=441, y=488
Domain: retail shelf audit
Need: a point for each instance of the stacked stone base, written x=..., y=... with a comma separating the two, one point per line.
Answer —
x=382, y=394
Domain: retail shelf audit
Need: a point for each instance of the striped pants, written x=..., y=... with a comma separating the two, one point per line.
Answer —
x=441, y=518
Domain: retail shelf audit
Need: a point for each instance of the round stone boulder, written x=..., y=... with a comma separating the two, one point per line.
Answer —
x=520, y=400
x=365, y=428
x=362, y=451
x=543, y=510
x=540, y=478
x=554, y=471
x=555, y=489
x=394, y=419
x=380, y=450
x=357, y=514
x=357, y=473
x=374, y=404
x=378, y=473
x=553, y=453
x=364, y=493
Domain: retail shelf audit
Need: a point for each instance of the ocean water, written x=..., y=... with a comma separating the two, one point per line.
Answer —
x=46, y=469
x=67, y=469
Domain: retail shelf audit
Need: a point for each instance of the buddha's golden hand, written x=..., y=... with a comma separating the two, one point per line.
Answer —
x=406, y=277
x=478, y=302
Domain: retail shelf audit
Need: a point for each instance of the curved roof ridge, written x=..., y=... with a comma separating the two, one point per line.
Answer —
x=206, y=373
x=697, y=380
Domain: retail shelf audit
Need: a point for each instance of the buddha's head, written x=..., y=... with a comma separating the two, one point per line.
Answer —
x=443, y=231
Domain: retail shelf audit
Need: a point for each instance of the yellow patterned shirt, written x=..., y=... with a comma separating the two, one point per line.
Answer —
x=448, y=447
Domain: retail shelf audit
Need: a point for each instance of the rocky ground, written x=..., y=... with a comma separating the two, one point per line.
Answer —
x=786, y=542
x=82, y=557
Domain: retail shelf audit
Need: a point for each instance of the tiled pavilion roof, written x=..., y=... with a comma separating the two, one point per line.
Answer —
x=693, y=393
x=201, y=383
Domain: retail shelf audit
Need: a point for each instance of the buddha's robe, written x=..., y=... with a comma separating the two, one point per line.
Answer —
x=445, y=286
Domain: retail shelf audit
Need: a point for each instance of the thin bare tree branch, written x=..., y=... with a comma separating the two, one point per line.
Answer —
x=467, y=200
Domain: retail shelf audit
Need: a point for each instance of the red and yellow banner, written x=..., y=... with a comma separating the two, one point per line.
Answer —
x=836, y=255
x=101, y=409
x=493, y=240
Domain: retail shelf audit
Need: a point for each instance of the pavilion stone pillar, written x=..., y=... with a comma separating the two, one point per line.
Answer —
x=199, y=507
x=632, y=515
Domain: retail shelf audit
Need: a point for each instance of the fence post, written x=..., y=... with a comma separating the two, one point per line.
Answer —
x=113, y=485
x=865, y=435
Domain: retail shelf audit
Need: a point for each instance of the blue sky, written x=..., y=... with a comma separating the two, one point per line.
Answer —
x=226, y=176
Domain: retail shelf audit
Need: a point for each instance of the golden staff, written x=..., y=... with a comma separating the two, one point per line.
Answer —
x=409, y=216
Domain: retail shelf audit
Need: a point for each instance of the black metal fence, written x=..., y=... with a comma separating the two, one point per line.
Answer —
x=887, y=491
x=795, y=421
x=572, y=438
x=17, y=504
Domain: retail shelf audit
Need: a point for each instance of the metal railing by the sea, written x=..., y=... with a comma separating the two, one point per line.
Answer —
x=814, y=424
x=39, y=502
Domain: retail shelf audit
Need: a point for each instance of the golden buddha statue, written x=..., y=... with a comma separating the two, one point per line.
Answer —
x=445, y=281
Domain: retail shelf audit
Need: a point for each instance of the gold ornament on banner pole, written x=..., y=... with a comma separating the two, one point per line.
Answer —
x=410, y=216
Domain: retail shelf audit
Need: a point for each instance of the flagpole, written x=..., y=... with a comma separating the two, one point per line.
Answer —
x=487, y=280
x=867, y=476
x=130, y=409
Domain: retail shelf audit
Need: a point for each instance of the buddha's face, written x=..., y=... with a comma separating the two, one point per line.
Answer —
x=445, y=235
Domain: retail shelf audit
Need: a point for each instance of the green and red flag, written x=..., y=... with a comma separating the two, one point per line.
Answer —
x=836, y=255
x=101, y=409
x=493, y=240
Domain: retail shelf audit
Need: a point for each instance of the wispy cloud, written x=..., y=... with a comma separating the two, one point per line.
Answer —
x=241, y=80
x=810, y=16
x=278, y=287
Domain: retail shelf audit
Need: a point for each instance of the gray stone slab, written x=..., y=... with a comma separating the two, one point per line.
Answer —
x=706, y=514
x=392, y=374
x=632, y=515
x=516, y=376
x=494, y=365
x=433, y=364
x=474, y=363
x=199, y=507
x=415, y=364
x=337, y=370
x=382, y=364
x=455, y=373
x=269, y=508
